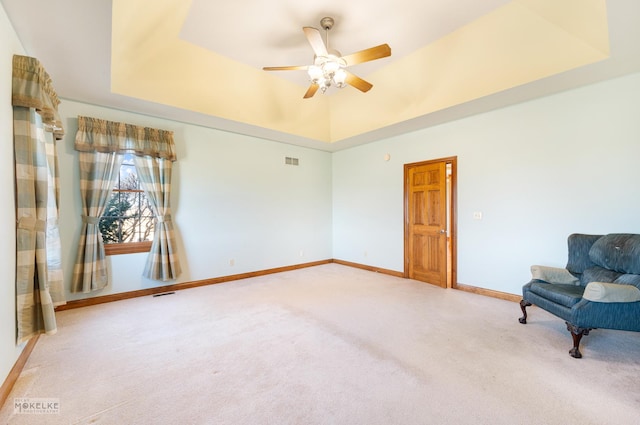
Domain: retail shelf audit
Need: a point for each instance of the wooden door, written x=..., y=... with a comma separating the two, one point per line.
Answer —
x=426, y=222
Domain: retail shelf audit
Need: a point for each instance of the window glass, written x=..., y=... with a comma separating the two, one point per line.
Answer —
x=128, y=216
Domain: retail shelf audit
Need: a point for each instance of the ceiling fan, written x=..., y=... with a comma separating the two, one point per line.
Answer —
x=329, y=65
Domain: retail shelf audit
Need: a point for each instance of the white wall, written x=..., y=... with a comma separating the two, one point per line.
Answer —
x=9, y=46
x=537, y=171
x=233, y=197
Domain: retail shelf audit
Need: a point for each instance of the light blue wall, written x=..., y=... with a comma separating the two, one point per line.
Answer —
x=233, y=197
x=537, y=171
x=9, y=46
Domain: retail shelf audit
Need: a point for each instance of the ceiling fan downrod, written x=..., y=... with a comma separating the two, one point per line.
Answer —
x=327, y=23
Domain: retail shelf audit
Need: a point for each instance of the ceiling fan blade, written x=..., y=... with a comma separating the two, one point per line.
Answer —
x=315, y=39
x=313, y=88
x=285, y=68
x=357, y=82
x=381, y=51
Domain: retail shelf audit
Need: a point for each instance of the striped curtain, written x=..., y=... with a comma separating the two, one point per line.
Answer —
x=155, y=179
x=154, y=151
x=39, y=280
x=98, y=173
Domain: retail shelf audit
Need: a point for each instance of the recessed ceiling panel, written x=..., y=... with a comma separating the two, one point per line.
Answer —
x=519, y=42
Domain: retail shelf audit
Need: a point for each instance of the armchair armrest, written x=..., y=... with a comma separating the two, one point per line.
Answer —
x=604, y=292
x=553, y=275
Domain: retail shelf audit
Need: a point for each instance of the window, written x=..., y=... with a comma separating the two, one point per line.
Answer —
x=127, y=224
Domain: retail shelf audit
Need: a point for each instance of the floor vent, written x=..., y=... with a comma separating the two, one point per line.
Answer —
x=291, y=161
x=163, y=294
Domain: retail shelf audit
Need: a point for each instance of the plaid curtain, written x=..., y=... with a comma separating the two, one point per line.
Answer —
x=39, y=285
x=155, y=179
x=98, y=174
x=32, y=88
x=96, y=141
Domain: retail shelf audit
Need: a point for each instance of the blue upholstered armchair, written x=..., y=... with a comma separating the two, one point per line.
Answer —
x=599, y=288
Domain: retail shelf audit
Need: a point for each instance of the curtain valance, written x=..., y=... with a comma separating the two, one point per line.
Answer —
x=97, y=135
x=32, y=88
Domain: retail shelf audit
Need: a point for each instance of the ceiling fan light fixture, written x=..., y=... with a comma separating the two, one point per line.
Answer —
x=339, y=78
x=327, y=71
x=315, y=73
x=331, y=65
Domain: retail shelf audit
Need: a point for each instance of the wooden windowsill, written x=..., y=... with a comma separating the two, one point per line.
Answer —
x=126, y=248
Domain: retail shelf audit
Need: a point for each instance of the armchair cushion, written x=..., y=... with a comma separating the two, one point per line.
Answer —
x=566, y=295
x=598, y=274
x=605, y=292
x=629, y=279
x=618, y=252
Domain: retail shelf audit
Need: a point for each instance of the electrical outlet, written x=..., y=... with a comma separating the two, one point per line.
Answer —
x=232, y=262
x=477, y=215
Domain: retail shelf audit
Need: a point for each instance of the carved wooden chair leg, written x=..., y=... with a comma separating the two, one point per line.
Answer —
x=577, y=334
x=523, y=305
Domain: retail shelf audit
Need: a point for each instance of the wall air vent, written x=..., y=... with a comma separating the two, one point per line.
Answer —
x=291, y=161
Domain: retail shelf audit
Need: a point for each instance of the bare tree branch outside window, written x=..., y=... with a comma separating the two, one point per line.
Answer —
x=128, y=216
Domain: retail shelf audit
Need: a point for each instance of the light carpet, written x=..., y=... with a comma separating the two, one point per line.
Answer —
x=326, y=345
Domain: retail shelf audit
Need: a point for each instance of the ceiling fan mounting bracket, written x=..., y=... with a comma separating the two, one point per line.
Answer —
x=327, y=23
